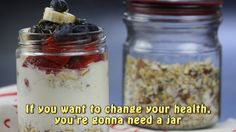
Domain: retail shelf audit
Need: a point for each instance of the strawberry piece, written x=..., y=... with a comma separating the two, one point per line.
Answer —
x=26, y=81
x=27, y=84
x=83, y=61
x=60, y=60
x=42, y=64
x=92, y=58
x=52, y=47
x=7, y=122
x=75, y=63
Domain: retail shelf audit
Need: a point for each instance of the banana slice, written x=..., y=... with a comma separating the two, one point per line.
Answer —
x=57, y=17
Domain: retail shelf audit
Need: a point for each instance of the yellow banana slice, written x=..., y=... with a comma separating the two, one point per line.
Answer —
x=57, y=17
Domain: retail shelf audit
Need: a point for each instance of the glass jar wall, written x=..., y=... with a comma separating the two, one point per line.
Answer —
x=172, y=57
x=73, y=72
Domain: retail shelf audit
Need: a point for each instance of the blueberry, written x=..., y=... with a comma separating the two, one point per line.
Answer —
x=92, y=27
x=47, y=23
x=80, y=22
x=61, y=33
x=47, y=26
x=80, y=28
x=85, y=28
x=59, y=5
x=36, y=29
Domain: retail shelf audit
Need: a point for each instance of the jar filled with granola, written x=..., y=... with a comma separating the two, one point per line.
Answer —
x=62, y=69
x=172, y=57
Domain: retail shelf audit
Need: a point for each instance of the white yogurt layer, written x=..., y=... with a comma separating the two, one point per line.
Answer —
x=68, y=87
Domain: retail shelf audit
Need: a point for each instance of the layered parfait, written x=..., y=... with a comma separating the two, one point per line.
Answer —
x=61, y=61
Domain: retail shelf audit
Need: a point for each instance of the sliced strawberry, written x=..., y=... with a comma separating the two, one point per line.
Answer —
x=83, y=61
x=51, y=47
x=42, y=63
x=75, y=63
x=90, y=47
x=60, y=60
x=92, y=58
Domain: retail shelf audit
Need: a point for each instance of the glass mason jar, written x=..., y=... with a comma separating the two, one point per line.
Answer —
x=172, y=57
x=71, y=72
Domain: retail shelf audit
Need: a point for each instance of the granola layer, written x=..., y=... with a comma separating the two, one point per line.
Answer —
x=150, y=83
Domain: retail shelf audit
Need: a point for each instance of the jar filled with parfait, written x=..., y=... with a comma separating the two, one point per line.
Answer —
x=61, y=61
x=172, y=57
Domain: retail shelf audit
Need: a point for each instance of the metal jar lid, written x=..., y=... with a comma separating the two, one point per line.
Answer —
x=175, y=7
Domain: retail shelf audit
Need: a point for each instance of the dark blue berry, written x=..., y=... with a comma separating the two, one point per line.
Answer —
x=80, y=28
x=59, y=5
x=47, y=26
x=62, y=32
x=36, y=29
x=92, y=27
x=80, y=22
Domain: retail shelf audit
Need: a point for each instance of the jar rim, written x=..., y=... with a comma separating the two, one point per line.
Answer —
x=26, y=31
x=26, y=37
